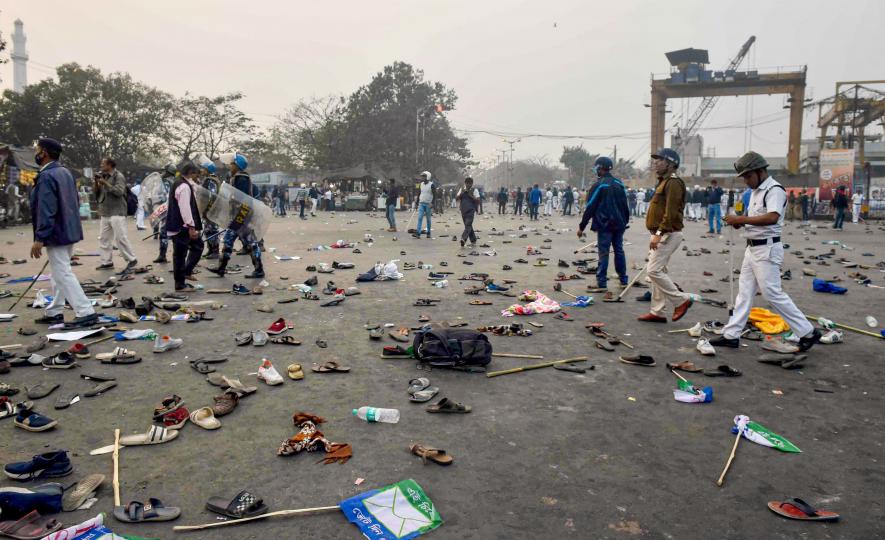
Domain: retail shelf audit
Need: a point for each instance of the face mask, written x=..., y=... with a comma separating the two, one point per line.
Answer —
x=37, y=159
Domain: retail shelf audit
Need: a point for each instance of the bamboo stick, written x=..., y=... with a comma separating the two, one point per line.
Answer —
x=537, y=366
x=263, y=516
x=514, y=355
x=730, y=459
x=116, y=467
x=10, y=347
x=853, y=329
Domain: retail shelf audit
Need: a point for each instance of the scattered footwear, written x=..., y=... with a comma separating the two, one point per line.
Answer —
x=225, y=403
x=798, y=509
x=445, y=405
x=722, y=341
x=722, y=371
x=259, y=338
x=242, y=505
x=269, y=374
x=78, y=494
x=695, y=331
x=166, y=343
x=155, y=435
x=433, y=454
x=41, y=390
x=63, y=360
x=138, y=512
x=779, y=346
x=118, y=353
x=48, y=465
x=295, y=372
x=33, y=421
x=688, y=367
x=638, y=359
x=330, y=367
x=278, y=327
x=205, y=418
x=651, y=317
x=705, y=348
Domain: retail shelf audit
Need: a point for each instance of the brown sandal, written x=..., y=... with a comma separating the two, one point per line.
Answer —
x=480, y=303
x=433, y=454
x=401, y=334
x=225, y=403
x=330, y=367
x=686, y=366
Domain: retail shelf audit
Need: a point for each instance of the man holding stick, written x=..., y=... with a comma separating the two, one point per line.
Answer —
x=763, y=257
x=664, y=222
x=55, y=207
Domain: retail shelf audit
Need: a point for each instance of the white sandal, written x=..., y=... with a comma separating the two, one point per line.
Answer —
x=119, y=352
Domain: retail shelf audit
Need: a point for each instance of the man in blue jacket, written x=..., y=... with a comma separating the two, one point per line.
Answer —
x=535, y=197
x=607, y=207
x=55, y=207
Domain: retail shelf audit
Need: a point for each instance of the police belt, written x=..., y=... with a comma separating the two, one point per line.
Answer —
x=763, y=241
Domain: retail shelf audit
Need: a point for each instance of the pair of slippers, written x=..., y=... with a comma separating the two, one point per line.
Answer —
x=420, y=390
x=255, y=337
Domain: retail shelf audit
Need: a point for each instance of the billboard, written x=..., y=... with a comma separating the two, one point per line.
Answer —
x=836, y=169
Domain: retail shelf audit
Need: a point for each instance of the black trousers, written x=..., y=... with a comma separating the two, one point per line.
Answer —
x=185, y=256
x=518, y=209
x=468, y=233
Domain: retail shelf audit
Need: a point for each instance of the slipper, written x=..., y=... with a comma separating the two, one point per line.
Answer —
x=321, y=343
x=121, y=361
x=563, y=316
x=27, y=331
x=376, y=333
x=423, y=318
x=216, y=379
x=97, y=377
x=136, y=512
x=330, y=367
x=30, y=527
x=722, y=371
x=571, y=367
x=793, y=362
x=243, y=338
x=285, y=340
x=433, y=454
x=418, y=384
x=259, y=338
x=155, y=435
x=269, y=374
x=447, y=406
x=401, y=334
x=334, y=301
x=82, y=490
x=686, y=366
x=425, y=395
x=41, y=390
x=639, y=360
x=64, y=401
x=117, y=353
x=801, y=510
x=37, y=345
x=295, y=372
x=202, y=367
x=100, y=389
x=242, y=505
x=234, y=385
x=604, y=346
x=205, y=418
x=480, y=303
x=167, y=405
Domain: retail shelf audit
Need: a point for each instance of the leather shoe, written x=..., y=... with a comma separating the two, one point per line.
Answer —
x=681, y=309
x=651, y=317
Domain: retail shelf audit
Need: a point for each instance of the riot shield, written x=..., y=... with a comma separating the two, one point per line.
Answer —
x=233, y=209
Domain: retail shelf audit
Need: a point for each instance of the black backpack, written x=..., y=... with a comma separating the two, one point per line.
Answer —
x=456, y=348
x=131, y=202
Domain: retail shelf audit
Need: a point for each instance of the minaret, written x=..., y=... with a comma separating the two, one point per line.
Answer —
x=19, y=58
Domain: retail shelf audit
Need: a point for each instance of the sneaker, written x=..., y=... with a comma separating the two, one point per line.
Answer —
x=492, y=288
x=278, y=327
x=176, y=419
x=695, y=331
x=808, y=342
x=638, y=359
x=832, y=336
x=166, y=343
x=48, y=465
x=705, y=348
x=714, y=327
x=85, y=320
x=50, y=319
x=29, y=420
x=436, y=275
x=239, y=288
x=780, y=346
x=269, y=374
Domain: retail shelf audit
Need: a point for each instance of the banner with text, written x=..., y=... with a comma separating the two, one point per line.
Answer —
x=836, y=169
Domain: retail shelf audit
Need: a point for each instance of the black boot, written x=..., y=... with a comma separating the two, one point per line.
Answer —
x=222, y=266
x=258, y=271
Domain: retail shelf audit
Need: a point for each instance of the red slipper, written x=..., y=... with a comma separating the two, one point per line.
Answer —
x=801, y=510
x=278, y=327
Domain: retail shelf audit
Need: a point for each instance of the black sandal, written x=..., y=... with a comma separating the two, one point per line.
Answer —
x=242, y=505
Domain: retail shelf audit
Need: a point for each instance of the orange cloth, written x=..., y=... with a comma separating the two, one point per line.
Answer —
x=768, y=322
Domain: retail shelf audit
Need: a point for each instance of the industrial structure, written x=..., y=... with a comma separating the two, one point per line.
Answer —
x=689, y=77
x=19, y=58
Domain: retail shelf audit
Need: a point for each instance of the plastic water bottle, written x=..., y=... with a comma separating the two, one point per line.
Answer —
x=375, y=414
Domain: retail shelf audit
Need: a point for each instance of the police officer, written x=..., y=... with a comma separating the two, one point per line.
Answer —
x=607, y=206
x=764, y=256
x=664, y=221
x=211, y=183
x=240, y=180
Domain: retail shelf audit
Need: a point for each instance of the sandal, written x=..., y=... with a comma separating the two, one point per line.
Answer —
x=234, y=385
x=242, y=505
x=137, y=512
x=285, y=340
x=117, y=354
x=686, y=366
x=243, y=338
x=480, y=303
x=563, y=316
x=603, y=345
x=167, y=405
x=433, y=454
x=295, y=372
x=155, y=435
x=330, y=367
x=401, y=334
x=798, y=509
x=100, y=388
x=31, y=526
x=225, y=403
x=447, y=406
x=722, y=371
x=82, y=490
x=424, y=395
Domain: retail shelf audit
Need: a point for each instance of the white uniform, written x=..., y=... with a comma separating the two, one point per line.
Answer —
x=761, y=268
x=856, y=202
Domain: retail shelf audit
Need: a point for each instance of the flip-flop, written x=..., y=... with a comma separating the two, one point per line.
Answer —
x=686, y=366
x=155, y=435
x=418, y=384
x=401, y=334
x=41, y=390
x=64, y=401
x=801, y=510
x=603, y=345
x=137, y=512
x=722, y=371
x=563, y=316
x=118, y=352
x=285, y=340
x=295, y=372
x=76, y=495
x=330, y=367
x=205, y=418
x=216, y=379
x=100, y=388
x=425, y=395
x=32, y=526
x=243, y=338
x=433, y=454
x=793, y=362
x=97, y=377
x=447, y=406
x=480, y=303
x=242, y=505
x=123, y=361
x=241, y=389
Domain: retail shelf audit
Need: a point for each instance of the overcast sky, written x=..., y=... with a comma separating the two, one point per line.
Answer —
x=557, y=67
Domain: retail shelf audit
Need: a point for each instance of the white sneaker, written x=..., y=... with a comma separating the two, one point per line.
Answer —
x=268, y=373
x=779, y=345
x=833, y=336
x=714, y=327
x=108, y=300
x=705, y=348
x=166, y=343
x=695, y=331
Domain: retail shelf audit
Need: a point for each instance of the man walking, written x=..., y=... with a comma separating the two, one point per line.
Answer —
x=55, y=208
x=13, y=201
x=856, y=205
x=520, y=197
x=534, y=202
x=607, y=207
x=314, y=195
x=548, y=202
x=502, y=201
x=763, y=257
x=110, y=192
x=840, y=204
x=803, y=203
x=664, y=222
x=714, y=207
x=468, y=201
x=241, y=180
x=184, y=226
x=425, y=200
x=390, y=203
x=568, y=199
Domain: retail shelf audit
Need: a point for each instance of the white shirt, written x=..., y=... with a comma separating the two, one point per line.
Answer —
x=426, y=193
x=776, y=201
x=857, y=198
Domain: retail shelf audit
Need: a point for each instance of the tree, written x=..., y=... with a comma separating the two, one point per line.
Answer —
x=310, y=133
x=207, y=125
x=578, y=161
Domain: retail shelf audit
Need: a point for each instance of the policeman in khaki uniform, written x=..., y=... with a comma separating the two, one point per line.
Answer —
x=664, y=222
x=764, y=255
